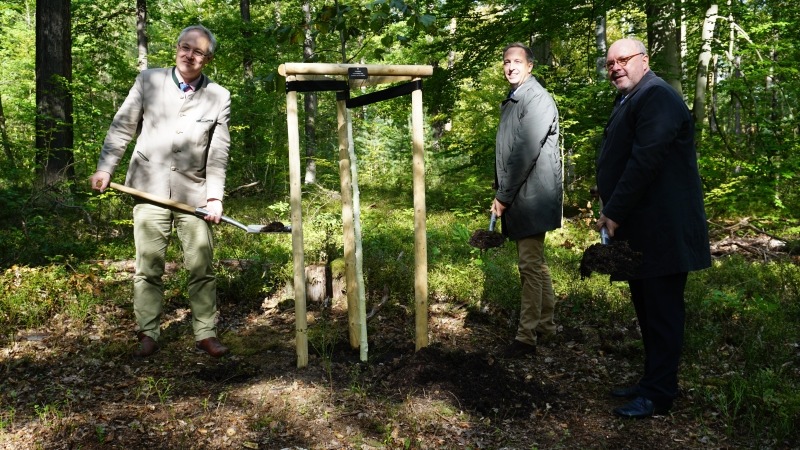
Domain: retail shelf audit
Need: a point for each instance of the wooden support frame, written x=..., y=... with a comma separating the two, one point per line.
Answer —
x=377, y=74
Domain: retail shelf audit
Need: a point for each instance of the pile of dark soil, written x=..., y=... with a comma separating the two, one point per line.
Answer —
x=616, y=259
x=484, y=239
x=274, y=227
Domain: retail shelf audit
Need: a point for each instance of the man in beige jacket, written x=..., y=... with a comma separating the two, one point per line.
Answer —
x=181, y=153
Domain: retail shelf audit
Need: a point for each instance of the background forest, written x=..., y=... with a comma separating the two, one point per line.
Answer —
x=66, y=66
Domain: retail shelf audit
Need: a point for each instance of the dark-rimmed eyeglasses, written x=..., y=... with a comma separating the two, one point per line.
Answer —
x=186, y=49
x=621, y=61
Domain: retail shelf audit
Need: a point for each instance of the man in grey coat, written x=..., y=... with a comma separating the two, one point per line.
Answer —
x=649, y=182
x=529, y=197
x=179, y=118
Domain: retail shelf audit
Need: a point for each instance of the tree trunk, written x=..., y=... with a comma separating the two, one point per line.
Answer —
x=600, y=46
x=54, y=133
x=141, y=34
x=249, y=139
x=310, y=102
x=663, y=41
x=542, y=54
x=701, y=83
x=4, y=137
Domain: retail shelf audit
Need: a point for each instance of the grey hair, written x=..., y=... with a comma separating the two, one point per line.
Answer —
x=525, y=48
x=212, y=46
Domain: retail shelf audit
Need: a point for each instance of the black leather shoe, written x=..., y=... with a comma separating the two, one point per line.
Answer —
x=626, y=392
x=518, y=349
x=212, y=346
x=639, y=408
x=147, y=346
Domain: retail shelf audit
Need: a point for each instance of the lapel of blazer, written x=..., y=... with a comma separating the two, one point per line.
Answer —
x=621, y=105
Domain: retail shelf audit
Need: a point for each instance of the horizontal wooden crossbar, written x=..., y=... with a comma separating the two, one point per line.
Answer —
x=286, y=69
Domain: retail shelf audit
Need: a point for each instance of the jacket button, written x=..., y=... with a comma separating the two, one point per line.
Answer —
x=173, y=168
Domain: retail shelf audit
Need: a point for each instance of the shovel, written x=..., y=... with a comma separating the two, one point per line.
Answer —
x=483, y=239
x=274, y=227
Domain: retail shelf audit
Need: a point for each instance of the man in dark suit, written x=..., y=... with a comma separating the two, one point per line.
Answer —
x=652, y=197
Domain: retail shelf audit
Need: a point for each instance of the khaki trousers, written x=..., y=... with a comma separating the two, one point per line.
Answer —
x=152, y=226
x=538, y=302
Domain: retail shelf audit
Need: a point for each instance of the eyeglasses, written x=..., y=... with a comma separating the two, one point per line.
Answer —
x=621, y=61
x=186, y=49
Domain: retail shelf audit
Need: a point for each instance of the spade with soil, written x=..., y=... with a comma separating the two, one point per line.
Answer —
x=483, y=239
x=274, y=227
x=616, y=259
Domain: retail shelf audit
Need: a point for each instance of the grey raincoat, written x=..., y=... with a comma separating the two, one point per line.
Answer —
x=528, y=167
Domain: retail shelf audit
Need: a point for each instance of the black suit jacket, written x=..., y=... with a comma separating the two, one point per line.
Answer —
x=648, y=179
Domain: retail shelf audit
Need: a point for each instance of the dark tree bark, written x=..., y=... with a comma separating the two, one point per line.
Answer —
x=4, y=137
x=141, y=34
x=249, y=139
x=310, y=102
x=664, y=40
x=54, y=133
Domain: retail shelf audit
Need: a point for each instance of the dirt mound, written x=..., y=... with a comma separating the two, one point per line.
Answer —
x=474, y=381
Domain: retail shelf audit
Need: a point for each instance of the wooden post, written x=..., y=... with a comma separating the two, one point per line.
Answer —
x=377, y=74
x=420, y=239
x=296, y=201
x=346, y=188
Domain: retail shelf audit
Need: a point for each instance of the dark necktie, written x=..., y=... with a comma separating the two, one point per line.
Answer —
x=185, y=87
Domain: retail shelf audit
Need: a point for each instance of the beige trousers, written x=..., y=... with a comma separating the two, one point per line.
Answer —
x=538, y=302
x=152, y=226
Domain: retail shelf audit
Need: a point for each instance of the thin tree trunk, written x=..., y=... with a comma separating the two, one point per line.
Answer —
x=54, y=133
x=141, y=34
x=310, y=102
x=249, y=139
x=701, y=83
x=4, y=137
x=600, y=46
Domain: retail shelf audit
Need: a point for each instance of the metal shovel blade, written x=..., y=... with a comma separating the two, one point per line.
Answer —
x=274, y=227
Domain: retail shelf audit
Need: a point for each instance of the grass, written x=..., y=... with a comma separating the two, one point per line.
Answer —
x=743, y=330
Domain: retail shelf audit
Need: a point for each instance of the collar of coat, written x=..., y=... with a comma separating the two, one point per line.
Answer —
x=646, y=79
x=526, y=85
x=196, y=87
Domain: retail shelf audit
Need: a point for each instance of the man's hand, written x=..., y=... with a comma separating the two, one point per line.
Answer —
x=498, y=208
x=100, y=181
x=214, y=208
x=610, y=225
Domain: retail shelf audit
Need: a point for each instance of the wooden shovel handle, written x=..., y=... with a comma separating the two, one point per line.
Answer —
x=154, y=198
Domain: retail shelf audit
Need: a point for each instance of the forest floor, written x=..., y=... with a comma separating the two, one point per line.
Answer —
x=74, y=385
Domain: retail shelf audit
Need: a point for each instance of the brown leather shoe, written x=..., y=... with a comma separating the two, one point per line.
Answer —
x=147, y=346
x=212, y=346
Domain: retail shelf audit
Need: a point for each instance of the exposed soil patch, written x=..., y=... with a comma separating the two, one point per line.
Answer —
x=75, y=385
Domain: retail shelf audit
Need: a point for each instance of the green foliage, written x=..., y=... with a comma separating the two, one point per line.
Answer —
x=31, y=295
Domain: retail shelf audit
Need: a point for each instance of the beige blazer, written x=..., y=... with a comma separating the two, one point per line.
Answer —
x=182, y=146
